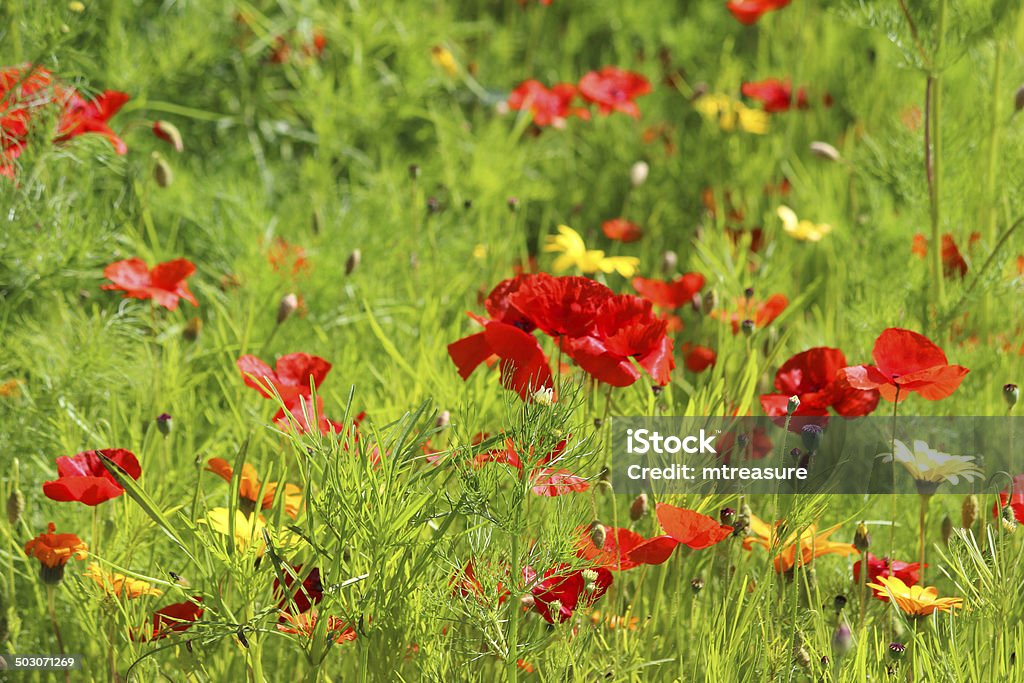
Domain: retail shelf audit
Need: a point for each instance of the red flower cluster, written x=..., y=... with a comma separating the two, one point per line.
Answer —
x=466, y=584
x=559, y=592
x=544, y=480
x=83, y=477
x=777, y=95
x=164, y=283
x=601, y=331
x=670, y=295
x=622, y=230
x=625, y=549
x=26, y=91
x=611, y=89
x=906, y=362
x=816, y=376
x=953, y=263
x=749, y=11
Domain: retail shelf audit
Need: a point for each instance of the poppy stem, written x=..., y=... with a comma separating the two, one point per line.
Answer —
x=863, y=586
x=921, y=530
x=51, y=603
x=933, y=160
x=894, y=496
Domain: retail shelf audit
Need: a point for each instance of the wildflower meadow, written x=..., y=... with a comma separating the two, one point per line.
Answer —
x=520, y=340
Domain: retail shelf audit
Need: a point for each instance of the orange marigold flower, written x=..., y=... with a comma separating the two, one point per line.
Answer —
x=119, y=585
x=249, y=486
x=305, y=623
x=915, y=601
x=54, y=550
x=811, y=544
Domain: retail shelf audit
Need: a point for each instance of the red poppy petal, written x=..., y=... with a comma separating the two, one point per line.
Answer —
x=251, y=365
x=591, y=355
x=691, y=528
x=295, y=369
x=129, y=274
x=86, y=490
x=865, y=377
x=654, y=550
x=469, y=352
x=659, y=362
x=935, y=383
x=903, y=352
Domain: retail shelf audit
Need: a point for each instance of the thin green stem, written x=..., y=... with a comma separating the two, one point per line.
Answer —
x=933, y=156
x=894, y=496
x=922, y=530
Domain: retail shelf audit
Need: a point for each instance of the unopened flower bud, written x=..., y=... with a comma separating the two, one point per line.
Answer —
x=669, y=262
x=839, y=603
x=823, y=150
x=727, y=516
x=598, y=533
x=969, y=511
x=638, y=173
x=433, y=205
x=811, y=436
x=168, y=132
x=289, y=302
x=697, y=585
x=897, y=650
x=861, y=539
x=1009, y=519
x=353, y=261
x=192, y=329
x=443, y=418
x=317, y=222
x=842, y=640
x=947, y=529
x=164, y=423
x=638, y=510
x=162, y=173
x=710, y=301
x=748, y=327
x=1018, y=99
x=1011, y=393
x=414, y=171
x=513, y=204
x=15, y=506
x=792, y=405
x=748, y=293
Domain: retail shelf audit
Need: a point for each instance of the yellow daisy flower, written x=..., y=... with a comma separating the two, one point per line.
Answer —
x=119, y=585
x=930, y=467
x=574, y=254
x=731, y=114
x=915, y=601
x=248, y=530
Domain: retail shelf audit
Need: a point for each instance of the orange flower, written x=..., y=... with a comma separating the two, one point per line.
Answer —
x=119, y=585
x=915, y=601
x=249, y=487
x=53, y=551
x=811, y=543
x=304, y=624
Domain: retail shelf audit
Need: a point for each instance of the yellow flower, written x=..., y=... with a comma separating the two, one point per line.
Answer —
x=480, y=252
x=442, y=57
x=119, y=585
x=730, y=113
x=574, y=254
x=803, y=230
x=915, y=601
x=248, y=530
x=930, y=467
x=811, y=543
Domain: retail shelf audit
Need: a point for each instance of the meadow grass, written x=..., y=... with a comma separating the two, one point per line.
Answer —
x=375, y=147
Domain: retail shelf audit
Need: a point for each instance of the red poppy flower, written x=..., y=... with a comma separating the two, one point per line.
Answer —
x=549, y=107
x=906, y=362
x=622, y=230
x=762, y=313
x=524, y=367
x=559, y=306
x=171, y=619
x=626, y=328
x=559, y=592
x=614, y=89
x=776, y=95
x=690, y=528
x=290, y=378
x=816, y=377
x=907, y=572
x=466, y=584
x=83, y=477
x=308, y=593
x=625, y=549
x=698, y=358
x=83, y=116
x=670, y=295
x=164, y=284
x=749, y=11
x=953, y=263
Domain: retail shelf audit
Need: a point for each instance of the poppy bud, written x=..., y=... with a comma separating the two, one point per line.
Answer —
x=513, y=204
x=748, y=327
x=897, y=650
x=414, y=171
x=467, y=204
x=795, y=453
x=15, y=506
x=1018, y=99
x=823, y=150
x=727, y=516
x=443, y=418
x=598, y=423
x=603, y=486
x=433, y=205
x=792, y=405
x=598, y=534
x=638, y=510
x=842, y=640
x=838, y=603
x=192, y=329
x=811, y=436
x=969, y=511
x=748, y=293
x=164, y=423
x=638, y=173
x=669, y=262
x=1010, y=394
x=289, y=302
x=657, y=389
x=162, y=173
x=697, y=302
x=353, y=260
x=1009, y=519
x=710, y=301
x=168, y=132
x=697, y=585
x=861, y=539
